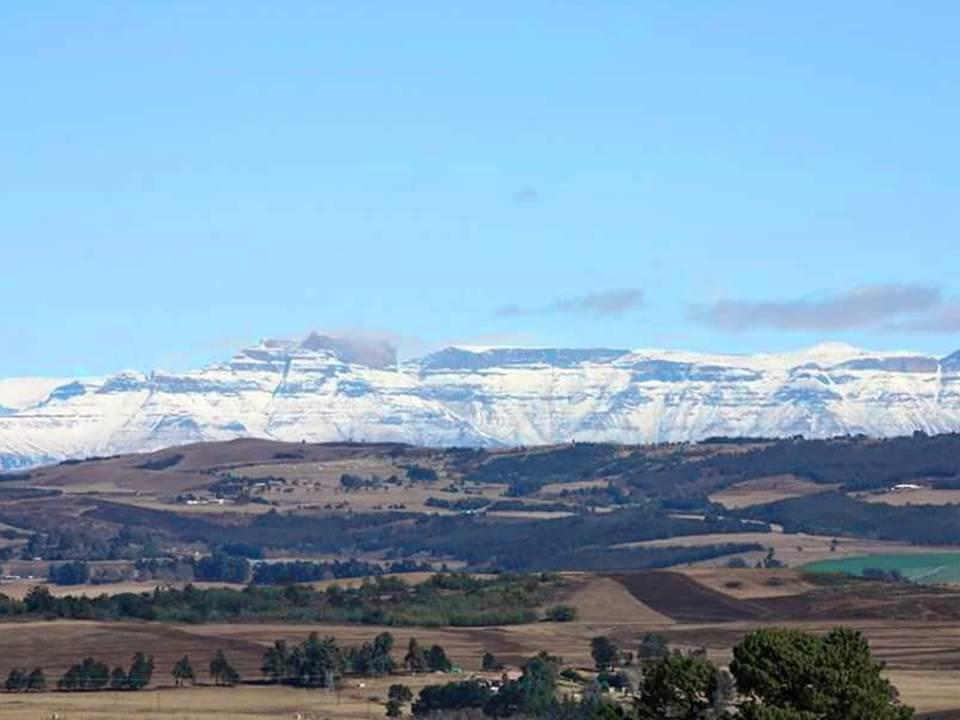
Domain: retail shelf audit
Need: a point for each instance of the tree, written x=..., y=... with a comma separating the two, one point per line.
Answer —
x=221, y=567
x=533, y=695
x=118, y=679
x=39, y=601
x=677, y=686
x=415, y=660
x=437, y=660
x=397, y=696
x=16, y=680
x=87, y=675
x=561, y=613
x=604, y=652
x=539, y=684
x=789, y=673
x=373, y=658
x=183, y=671
x=653, y=646
x=141, y=671
x=37, y=681
x=222, y=672
x=401, y=693
x=452, y=696
x=71, y=573
x=316, y=662
x=489, y=663
x=276, y=662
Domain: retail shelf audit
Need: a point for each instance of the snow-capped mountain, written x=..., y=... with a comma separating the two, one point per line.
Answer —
x=324, y=388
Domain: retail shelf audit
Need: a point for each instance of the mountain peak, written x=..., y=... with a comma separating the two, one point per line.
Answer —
x=377, y=354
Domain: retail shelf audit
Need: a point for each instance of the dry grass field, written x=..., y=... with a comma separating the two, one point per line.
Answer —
x=207, y=703
x=766, y=490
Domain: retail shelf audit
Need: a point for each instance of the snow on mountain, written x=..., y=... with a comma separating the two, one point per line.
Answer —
x=323, y=389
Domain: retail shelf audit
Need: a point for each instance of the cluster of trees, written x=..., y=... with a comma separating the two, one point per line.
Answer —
x=445, y=600
x=222, y=567
x=92, y=675
x=318, y=662
x=221, y=671
x=79, y=543
x=303, y=571
x=76, y=572
x=532, y=695
x=350, y=482
x=419, y=473
x=19, y=680
x=561, y=613
x=835, y=513
x=776, y=674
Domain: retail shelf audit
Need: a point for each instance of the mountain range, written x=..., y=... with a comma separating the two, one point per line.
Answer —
x=328, y=389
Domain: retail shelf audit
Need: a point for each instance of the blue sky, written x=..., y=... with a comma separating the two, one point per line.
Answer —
x=178, y=179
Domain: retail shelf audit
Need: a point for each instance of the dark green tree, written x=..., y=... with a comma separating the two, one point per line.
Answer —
x=39, y=601
x=320, y=661
x=437, y=660
x=489, y=663
x=16, y=680
x=141, y=671
x=677, y=686
x=87, y=675
x=37, y=681
x=183, y=671
x=276, y=662
x=400, y=693
x=797, y=674
x=605, y=653
x=653, y=646
x=222, y=672
x=561, y=613
x=118, y=679
x=415, y=660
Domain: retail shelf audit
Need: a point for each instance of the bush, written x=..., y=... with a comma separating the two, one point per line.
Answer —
x=561, y=613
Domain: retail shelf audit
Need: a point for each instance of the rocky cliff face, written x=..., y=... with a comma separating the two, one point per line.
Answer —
x=327, y=389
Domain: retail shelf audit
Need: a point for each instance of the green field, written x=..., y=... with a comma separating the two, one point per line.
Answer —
x=930, y=568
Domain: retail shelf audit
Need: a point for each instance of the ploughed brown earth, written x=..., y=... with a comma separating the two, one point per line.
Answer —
x=683, y=599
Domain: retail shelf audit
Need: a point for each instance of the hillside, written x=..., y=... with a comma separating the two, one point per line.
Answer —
x=568, y=507
x=332, y=390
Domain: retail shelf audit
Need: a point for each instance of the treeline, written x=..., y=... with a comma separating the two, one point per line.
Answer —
x=571, y=542
x=838, y=514
x=92, y=675
x=87, y=675
x=302, y=571
x=444, y=600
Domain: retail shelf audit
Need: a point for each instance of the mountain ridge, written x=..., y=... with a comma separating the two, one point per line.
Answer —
x=328, y=389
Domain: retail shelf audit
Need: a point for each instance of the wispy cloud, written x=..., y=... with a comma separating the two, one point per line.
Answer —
x=607, y=302
x=526, y=196
x=943, y=319
x=884, y=307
